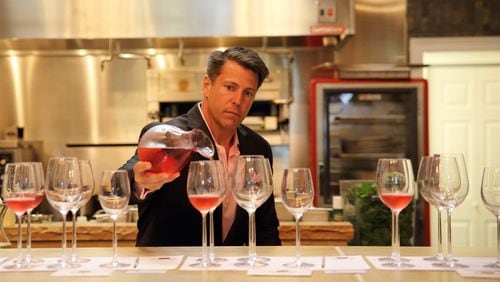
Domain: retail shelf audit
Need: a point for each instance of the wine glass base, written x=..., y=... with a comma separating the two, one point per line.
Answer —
x=34, y=260
x=114, y=264
x=65, y=265
x=448, y=264
x=79, y=260
x=206, y=264
x=259, y=259
x=390, y=259
x=217, y=259
x=493, y=265
x=19, y=266
x=398, y=265
x=298, y=264
x=250, y=263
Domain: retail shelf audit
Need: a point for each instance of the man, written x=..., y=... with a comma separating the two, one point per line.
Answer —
x=166, y=218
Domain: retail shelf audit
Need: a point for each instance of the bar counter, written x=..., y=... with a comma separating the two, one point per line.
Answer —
x=240, y=276
x=94, y=234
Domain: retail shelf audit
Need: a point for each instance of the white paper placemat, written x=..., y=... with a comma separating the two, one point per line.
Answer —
x=472, y=263
x=230, y=263
x=346, y=264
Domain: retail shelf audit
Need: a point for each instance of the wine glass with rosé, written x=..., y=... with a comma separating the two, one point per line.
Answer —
x=395, y=187
x=204, y=192
x=39, y=187
x=19, y=194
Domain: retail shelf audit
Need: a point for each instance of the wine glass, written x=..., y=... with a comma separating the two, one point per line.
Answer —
x=423, y=184
x=87, y=192
x=204, y=192
x=297, y=194
x=114, y=194
x=490, y=194
x=63, y=189
x=395, y=187
x=449, y=186
x=223, y=184
x=251, y=189
x=19, y=194
x=39, y=195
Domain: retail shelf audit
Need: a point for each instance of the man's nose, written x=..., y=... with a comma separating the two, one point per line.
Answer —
x=238, y=97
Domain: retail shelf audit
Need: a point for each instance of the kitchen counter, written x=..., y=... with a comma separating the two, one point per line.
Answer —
x=222, y=275
x=95, y=234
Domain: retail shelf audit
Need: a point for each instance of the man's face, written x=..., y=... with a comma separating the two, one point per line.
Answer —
x=230, y=96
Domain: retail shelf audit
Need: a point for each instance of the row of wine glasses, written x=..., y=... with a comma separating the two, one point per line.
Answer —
x=252, y=186
x=68, y=186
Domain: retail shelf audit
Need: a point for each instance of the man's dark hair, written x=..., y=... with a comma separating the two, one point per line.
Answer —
x=243, y=56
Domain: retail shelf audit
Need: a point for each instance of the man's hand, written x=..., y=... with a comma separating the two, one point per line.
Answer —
x=149, y=180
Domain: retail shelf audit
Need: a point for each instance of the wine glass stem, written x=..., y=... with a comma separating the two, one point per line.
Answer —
x=212, y=244
x=440, y=234
x=252, y=253
x=63, y=258
x=498, y=240
x=204, y=251
x=115, y=245
x=19, y=260
x=28, y=237
x=450, y=252
x=73, y=237
x=395, y=238
x=297, y=239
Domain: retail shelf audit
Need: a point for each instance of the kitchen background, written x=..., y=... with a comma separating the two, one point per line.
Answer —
x=82, y=78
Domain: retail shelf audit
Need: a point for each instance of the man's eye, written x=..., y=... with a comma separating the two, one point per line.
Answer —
x=230, y=87
x=249, y=93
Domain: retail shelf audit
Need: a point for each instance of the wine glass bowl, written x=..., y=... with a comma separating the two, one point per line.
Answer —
x=490, y=196
x=297, y=193
x=395, y=188
x=204, y=191
x=114, y=195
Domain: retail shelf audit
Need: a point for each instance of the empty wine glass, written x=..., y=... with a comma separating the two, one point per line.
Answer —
x=114, y=194
x=449, y=186
x=39, y=187
x=63, y=189
x=87, y=192
x=424, y=187
x=490, y=195
x=251, y=189
x=297, y=194
x=19, y=194
x=204, y=192
x=395, y=187
x=223, y=184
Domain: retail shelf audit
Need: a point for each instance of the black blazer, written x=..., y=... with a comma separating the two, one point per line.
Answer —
x=166, y=217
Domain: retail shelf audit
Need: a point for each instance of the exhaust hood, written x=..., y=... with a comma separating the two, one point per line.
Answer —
x=97, y=19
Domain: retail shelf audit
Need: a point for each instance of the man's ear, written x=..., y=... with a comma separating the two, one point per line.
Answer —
x=207, y=83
